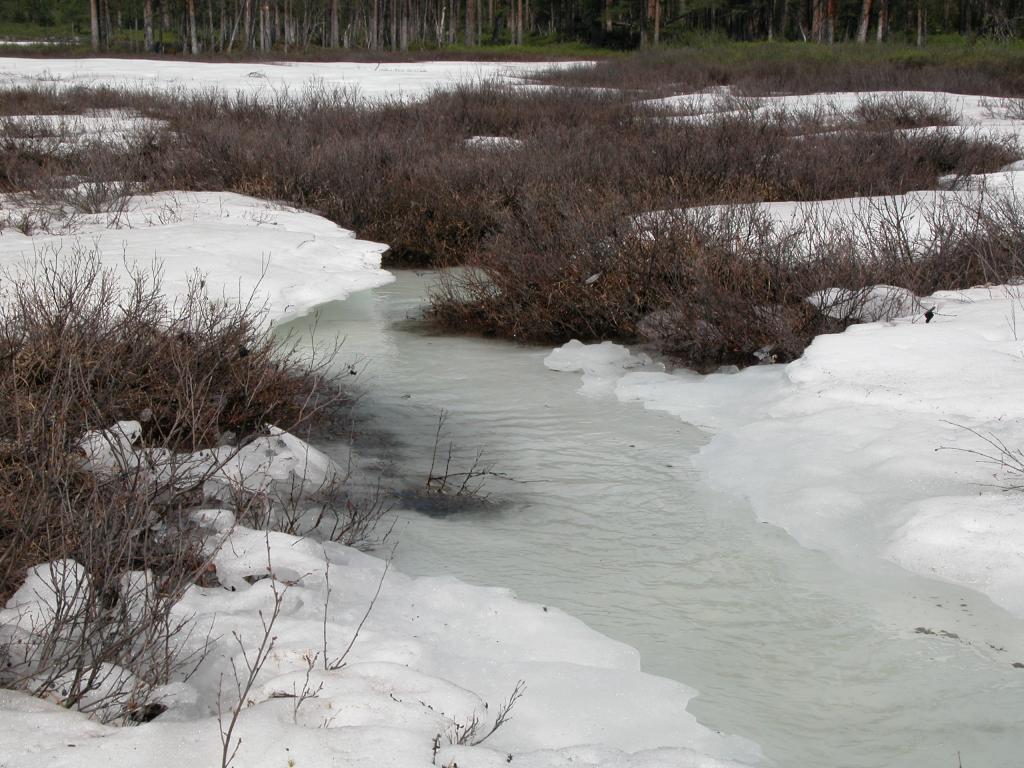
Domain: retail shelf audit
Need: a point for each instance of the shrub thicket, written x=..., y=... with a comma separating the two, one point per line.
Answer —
x=538, y=214
x=107, y=510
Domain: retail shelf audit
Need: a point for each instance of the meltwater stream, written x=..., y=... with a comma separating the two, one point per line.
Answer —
x=600, y=513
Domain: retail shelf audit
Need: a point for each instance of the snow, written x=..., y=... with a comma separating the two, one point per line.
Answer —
x=61, y=133
x=873, y=444
x=370, y=81
x=839, y=448
x=971, y=110
x=973, y=540
x=49, y=590
x=597, y=362
x=877, y=302
x=433, y=652
x=278, y=464
x=493, y=142
x=883, y=441
x=288, y=259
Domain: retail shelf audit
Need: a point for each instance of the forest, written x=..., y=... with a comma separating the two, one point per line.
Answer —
x=240, y=26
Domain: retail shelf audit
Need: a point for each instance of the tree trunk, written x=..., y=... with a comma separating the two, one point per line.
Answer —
x=264, y=24
x=209, y=23
x=883, y=20
x=920, y=23
x=147, y=23
x=106, y=28
x=393, y=24
x=657, y=21
x=470, y=22
x=192, y=31
x=865, y=20
x=223, y=31
x=94, y=19
x=335, y=25
x=246, y=25
x=830, y=20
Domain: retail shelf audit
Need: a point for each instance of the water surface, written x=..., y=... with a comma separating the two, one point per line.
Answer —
x=599, y=512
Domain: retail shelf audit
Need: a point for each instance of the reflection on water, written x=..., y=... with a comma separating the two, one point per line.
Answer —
x=599, y=512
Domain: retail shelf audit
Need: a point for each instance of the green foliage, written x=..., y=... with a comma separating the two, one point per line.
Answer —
x=560, y=27
x=42, y=17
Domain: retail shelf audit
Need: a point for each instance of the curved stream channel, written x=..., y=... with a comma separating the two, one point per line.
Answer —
x=602, y=515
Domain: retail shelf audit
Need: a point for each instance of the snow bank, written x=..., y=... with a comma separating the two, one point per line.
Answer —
x=370, y=80
x=600, y=364
x=915, y=220
x=56, y=134
x=862, y=447
x=978, y=116
x=877, y=302
x=289, y=259
x=971, y=110
x=433, y=653
x=367, y=667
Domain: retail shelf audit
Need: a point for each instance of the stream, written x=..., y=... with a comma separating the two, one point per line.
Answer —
x=594, y=507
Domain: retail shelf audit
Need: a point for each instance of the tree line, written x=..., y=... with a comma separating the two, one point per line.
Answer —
x=224, y=26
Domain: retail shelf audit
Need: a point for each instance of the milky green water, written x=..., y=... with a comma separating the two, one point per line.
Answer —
x=602, y=515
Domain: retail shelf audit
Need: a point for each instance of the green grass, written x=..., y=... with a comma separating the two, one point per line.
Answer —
x=940, y=50
x=12, y=30
x=538, y=47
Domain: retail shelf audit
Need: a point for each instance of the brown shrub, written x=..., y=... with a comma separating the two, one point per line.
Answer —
x=723, y=287
x=82, y=351
x=539, y=218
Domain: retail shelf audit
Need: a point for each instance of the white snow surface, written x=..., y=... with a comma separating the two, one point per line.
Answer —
x=863, y=447
x=986, y=111
x=371, y=81
x=61, y=133
x=597, y=362
x=493, y=142
x=433, y=652
x=287, y=259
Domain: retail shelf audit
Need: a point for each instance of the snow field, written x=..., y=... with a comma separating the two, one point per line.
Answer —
x=244, y=248
x=370, y=81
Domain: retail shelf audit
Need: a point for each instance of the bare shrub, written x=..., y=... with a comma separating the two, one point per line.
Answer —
x=106, y=508
x=730, y=286
x=1011, y=109
x=548, y=225
x=403, y=173
x=252, y=659
x=903, y=110
x=474, y=731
